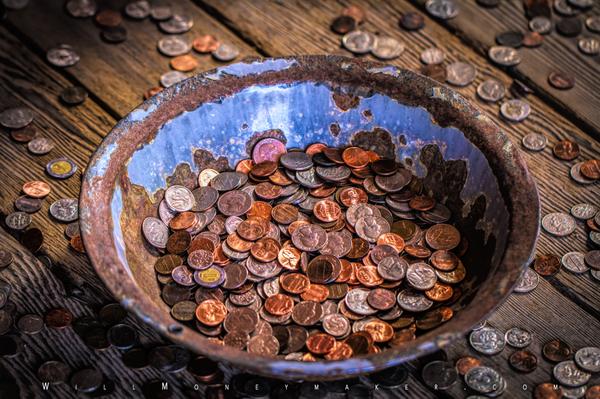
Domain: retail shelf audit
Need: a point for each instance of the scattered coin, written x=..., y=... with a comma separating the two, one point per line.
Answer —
x=556, y=351
x=575, y=173
x=443, y=9
x=40, y=145
x=592, y=259
x=540, y=24
x=65, y=210
x=483, y=379
x=505, y=56
x=387, y=48
x=205, y=44
x=6, y=259
x=574, y=262
x=61, y=168
x=588, y=359
x=533, y=39
x=73, y=95
x=560, y=80
x=138, y=9
x=25, y=134
x=432, y=56
x=569, y=27
x=568, y=374
x=30, y=323
x=523, y=361
x=62, y=56
x=546, y=265
x=177, y=24
x=173, y=46
x=170, y=78
x=343, y=24
x=548, y=390
x=589, y=45
x=58, y=318
x=460, y=73
x=593, y=23
x=412, y=21
x=16, y=118
x=518, y=337
x=510, y=39
x=82, y=8
x=566, y=150
x=226, y=52
x=53, y=372
x=535, y=141
x=439, y=375
x=184, y=63
x=487, y=340
x=17, y=220
x=491, y=90
x=86, y=380
x=591, y=169
x=114, y=34
x=359, y=42
x=515, y=110
x=36, y=189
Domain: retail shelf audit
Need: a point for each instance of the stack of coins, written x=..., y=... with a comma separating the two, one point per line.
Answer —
x=326, y=252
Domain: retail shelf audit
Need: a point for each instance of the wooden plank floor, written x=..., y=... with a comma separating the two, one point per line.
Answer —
x=117, y=75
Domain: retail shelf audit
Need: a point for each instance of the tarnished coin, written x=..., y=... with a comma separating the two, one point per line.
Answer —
x=161, y=11
x=568, y=374
x=566, y=150
x=309, y=238
x=17, y=220
x=559, y=224
x=592, y=259
x=155, y=232
x=359, y=42
x=413, y=301
x=540, y=24
x=523, y=361
x=443, y=9
x=439, y=374
x=53, y=372
x=370, y=228
x=387, y=48
x=556, y=350
x=546, y=265
x=24, y=135
x=30, y=324
x=593, y=23
x=505, y=56
x=178, y=23
x=81, y=8
x=460, y=73
x=561, y=80
x=515, y=110
x=58, y=318
x=172, y=77
x=432, y=56
x=548, y=390
x=491, y=90
x=518, y=337
x=574, y=262
x=483, y=379
x=307, y=313
x=535, y=141
x=173, y=46
x=62, y=56
x=487, y=340
x=421, y=276
x=510, y=39
x=73, y=95
x=86, y=380
x=61, y=168
x=6, y=259
x=588, y=359
x=16, y=118
x=589, y=45
x=40, y=145
x=226, y=52
x=412, y=21
x=263, y=345
x=138, y=9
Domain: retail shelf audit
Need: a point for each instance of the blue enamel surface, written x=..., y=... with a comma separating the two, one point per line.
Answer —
x=243, y=69
x=116, y=206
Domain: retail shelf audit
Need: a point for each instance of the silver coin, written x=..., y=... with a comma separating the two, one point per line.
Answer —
x=460, y=73
x=18, y=220
x=503, y=55
x=483, y=379
x=16, y=117
x=62, y=56
x=595, y=274
x=226, y=52
x=595, y=238
x=515, y=110
x=443, y=9
x=336, y=324
x=432, y=56
x=392, y=268
x=518, y=337
x=480, y=325
x=589, y=45
x=173, y=46
x=40, y=145
x=161, y=12
x=593, y=23
x=421, y=276
x=540, y=25
x=179, y=198
x=491, y=90
x=371, y=227
x=573, y=393
x=559, y=224
x=584, y=211
x=156, y=232
x=535, y=141
x=359, y=42
x=387, y=48
x=581, y=3
x=576, y=175
x=567, y=373
x=487, y=340
x=178, y=23
x=574, y=262
x=356, y=301
x=413, y=301
x=588, y=359
x=439, y=374
x=562, y=7
x=172, y=77
x=15, y=4
x=82, y=8
x=65, y=209
x=138, y=9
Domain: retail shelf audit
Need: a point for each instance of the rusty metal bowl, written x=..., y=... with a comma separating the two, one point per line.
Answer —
x=466, y=161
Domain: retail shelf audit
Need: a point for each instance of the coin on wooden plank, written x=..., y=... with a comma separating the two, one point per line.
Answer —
x=178, y=23
x=589, y=45
x=17, y=220
x=592, y=259
x=173, y=46
x=62, y=56
x=460, y=73
x=443, y=9
x=534, y=141
x=226, y=52
x=138, y=9
x=574, y=262
x=561, y=80
x=16, y=117
x=81, y=8
x=505, y=56
x=359, y=42
x=568, y=374
x=491, y=90
x=387, y=48
x=515, y=110
x=40, y=145
x=567, y=150
x=487, y=340
x=559, y=224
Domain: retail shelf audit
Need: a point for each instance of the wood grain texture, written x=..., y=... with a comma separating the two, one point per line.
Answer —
x=479, y=26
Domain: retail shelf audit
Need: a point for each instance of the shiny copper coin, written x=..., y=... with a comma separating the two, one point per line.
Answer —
x=593, y=392
x=566, y=150
x=327, y=211
x=260, y=209
x=280, y=178
x=340, y=351
x=294, y=283
x=320, y=343
x=346, y=272
x=307, y=313
x=211, y=312
x=418, y=251
x=439, y=292
x=264, y=169
x=279, y=304
x=381, y=299
x=442, y=236
x=36, y=189
x=253, y=228
x=466, y=363
x=349, y=196
x=284, y=213
x=289, y=257
x=392, y=239
x=379, y=330
x=359, y=248
x=235, y=242
x=205, y=44
x=546, y=265
x=422, y=203
x=200, y=242
x=183, y=221
x=355, y=157
x=355, y=12
x=369, y=276
x=265, y=250
x=315, y=148
x=178, y=242
x=267, y=190
x=244, y=166
x=151, y=92
x=58, y=318
x=316, y=293
x=184, y=63
x=444, y=260
x=557, y=351
x=548, y=390
x=77, y=244
x=590, y=169
x=523, y=361
x=322, y=191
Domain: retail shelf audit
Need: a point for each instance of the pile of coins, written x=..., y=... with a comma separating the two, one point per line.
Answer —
x=335, y=251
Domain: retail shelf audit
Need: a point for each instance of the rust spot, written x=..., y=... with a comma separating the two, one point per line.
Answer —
x=367, y=114
x=378, y=140
x=335, y=129
x=345, y=101
x=257, y=136
x=205, y=159
x=402, y=139
x=183, y=176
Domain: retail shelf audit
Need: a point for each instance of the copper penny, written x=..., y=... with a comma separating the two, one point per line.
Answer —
x=235, y=242
x=349, y=196
x=307, y=313
x=200, y=242
x=369, y=276
x=322, y=269
x=523, y=361
x=178, y=242
x=591, y=169
x=442, y=236
x=379, y=330
x=444, y=260
x=561, y=80
x=392, y=239
x=200, y=259
x=316, y=293
x=263, y=169
x=566, y=150
x=422, y=203
x=184, y=63
x=183, y=221
x=205, y=44
x=260, y=209
x=360, y=342
x=546, y=265
x=108, y=18
x=381, y=299
x=284, y=213
x=211, y=312
x=267, y=190
x=58, y=318
x=320, y=343
x=327, y=211
x=77, y=244
x=548, y=390
x=279, y=304
x=24, y=135
x=165, y=264
x=464, y=364
x=359, y=248
x=439, y=292
x=557, y=351
x=244, y=166
x=266, y=249
x=593, y=392
x=294, y=283
x=253, y=228
x=36, y=189
x=355, y=157
x=340, y=351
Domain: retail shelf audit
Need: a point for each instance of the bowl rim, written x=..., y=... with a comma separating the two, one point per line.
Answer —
x=518, y=189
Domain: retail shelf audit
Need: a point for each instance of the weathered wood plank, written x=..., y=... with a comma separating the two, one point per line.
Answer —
x=117, y=74
x=479, y=26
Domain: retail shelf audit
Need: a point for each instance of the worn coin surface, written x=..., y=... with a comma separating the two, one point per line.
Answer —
x=40, y=145
x=62, y=56
x=559, y=224
x=505, y=56
x=359, y=42
x=138, y=9
x=172, y=77
x=518, y=337
x=574, y=262
x=483, y=379
x=592, y=259
x=178, y=23
x=16, y=118
x=588, y=359
x=439, y=374
x=540, y=24
x=561, y=80
x=18, y=220
x=568, y=374
x=589, y=45
x=226, y=52
x=412, y=21
x=534, y=141
x=523, y=361
x=491, y=90
x=432, y=56
x=556, y=350
x=487, y=340
x=387, y=48
x=460, y=73
x=443, y=9
x=515, y=110
x=173, y=46
x=73, y=95
x=566, y=150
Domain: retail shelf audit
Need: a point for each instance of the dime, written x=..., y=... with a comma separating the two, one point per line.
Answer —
x=574, y=262
x=17, y=220
x=359, y=42
x=138, y=9
x=432, y=56
x=439, y=375
x=540, y=24
x=523, y=361
x=62, y=56
x=588, y=359
x=16, y=118
x=173, y=46
x=178, y=23
x=561, y=80
x=518, y=337
x=589, y=45
x=61, y=168
x=515, y=110
x=460, y=74
x=505, y=56
x=556, y=351
x=559, y=224
x=568, y=374
x=170, y=78
x=491, y=90
x=226, y=52
x=593, y=23
x=535, y=141
x=387, y=48
x=566, y=150
x=487, y=340
x=40, y=145
x=443, y=9
x=81, y=8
